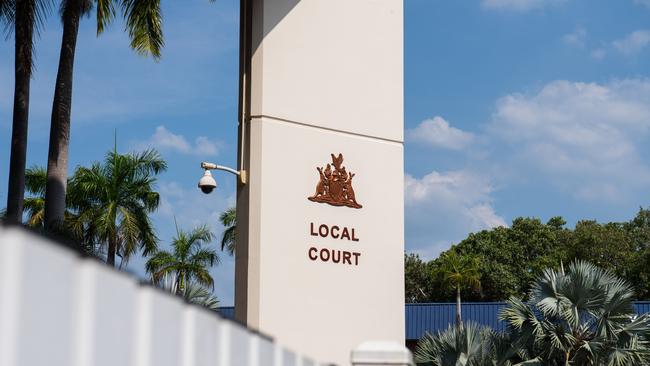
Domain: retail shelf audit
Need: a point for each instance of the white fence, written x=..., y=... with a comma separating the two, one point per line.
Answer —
x=59, y=309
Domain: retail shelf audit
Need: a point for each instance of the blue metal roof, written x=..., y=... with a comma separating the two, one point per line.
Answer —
x=433, y=317
x=227, y=312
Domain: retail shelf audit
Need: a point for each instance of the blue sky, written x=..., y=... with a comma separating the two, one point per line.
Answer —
x=512, y=108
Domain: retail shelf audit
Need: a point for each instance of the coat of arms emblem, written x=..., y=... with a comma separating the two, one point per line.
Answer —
x=335, y=185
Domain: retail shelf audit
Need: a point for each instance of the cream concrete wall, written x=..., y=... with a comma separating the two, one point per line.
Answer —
x=330, y=63
x=326, y=77
x=323, y=308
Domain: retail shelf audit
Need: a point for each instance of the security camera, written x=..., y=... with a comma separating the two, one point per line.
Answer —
x=207, y=184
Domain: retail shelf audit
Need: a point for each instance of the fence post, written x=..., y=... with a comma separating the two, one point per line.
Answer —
x=381, y=353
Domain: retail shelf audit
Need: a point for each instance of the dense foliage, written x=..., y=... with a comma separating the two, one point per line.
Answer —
x=512, y=257
x=581, y=316
x=107, y=213
x=189, y=261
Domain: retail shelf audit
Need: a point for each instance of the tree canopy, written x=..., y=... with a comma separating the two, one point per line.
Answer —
x=511, y=258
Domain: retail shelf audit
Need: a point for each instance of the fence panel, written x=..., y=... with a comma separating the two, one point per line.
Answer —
x=59, y=309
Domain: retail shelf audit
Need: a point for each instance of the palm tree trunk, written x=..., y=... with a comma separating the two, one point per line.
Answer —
x=112, y=248
x=57, y=160
x=23, y=70
x=459, y=320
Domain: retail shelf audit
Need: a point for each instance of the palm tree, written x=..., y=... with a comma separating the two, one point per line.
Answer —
x=457, y=346
x=228, y=219
x=192, y=293
x=459, y=272
x=189, y=261
x=26, y=16
x=119, y=196
x=144, y=25
x=74, y=228
x=583, y=316
x=35, y=180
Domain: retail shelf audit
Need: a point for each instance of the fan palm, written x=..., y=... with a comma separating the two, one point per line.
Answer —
x=119, y=198
x=459, y=272
x=144, y=26
x=25, y=17
x=583, y=316
x=188, y=261
x=228, y=219
x=470, y=344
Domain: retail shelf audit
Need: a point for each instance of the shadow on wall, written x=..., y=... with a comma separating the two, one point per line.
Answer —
x=276, y=10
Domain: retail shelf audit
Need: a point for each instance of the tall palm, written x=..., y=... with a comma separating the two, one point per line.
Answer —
x=144, y=25
x=459, y=272
x=228, y=219
x=188, y=261
x=26, y=16
x=583, y=316
x=119, y=198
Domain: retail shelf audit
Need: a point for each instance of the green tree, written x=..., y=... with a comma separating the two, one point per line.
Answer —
x=144, y=25
x=459, y=272
x=35, y=181
x=606, y=245
x=27, y=17
x=511, y=258
x=74, y=228
x=119, y=198
x=189, y=261
x=582, y=316
x=417, y=279
x=228, y=219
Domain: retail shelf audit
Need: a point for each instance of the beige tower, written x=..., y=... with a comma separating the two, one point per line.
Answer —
x=319, y=259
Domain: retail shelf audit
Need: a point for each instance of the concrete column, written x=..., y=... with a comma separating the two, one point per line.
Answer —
x=378, y=353
x=319, y=258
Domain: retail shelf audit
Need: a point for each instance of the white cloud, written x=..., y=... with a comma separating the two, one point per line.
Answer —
x=438, y=133
x=519, y=5
x=165, y=140
x=447, y=206
x=584, y=138
x=577, y=38
x=633, y=42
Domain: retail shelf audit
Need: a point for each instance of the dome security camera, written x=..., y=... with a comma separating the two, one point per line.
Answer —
x=207, y=184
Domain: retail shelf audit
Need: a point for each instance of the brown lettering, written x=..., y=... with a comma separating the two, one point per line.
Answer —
x=313, y=250
x=334, y=257
x=354, y=238
x=320, y=230
x=345, y=234
x=356, y=258
x=346, y=257
x=311, y=227
x=335, y=235
x=322, y=257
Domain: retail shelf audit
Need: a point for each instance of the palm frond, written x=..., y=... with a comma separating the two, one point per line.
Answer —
x=199, y=295
x=144, y=26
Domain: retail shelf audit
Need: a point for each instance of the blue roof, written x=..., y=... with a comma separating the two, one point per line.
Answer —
x=227, y=312
x=433, y=317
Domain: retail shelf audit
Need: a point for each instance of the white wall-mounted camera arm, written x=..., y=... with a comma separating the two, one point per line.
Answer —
x=211, y=166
